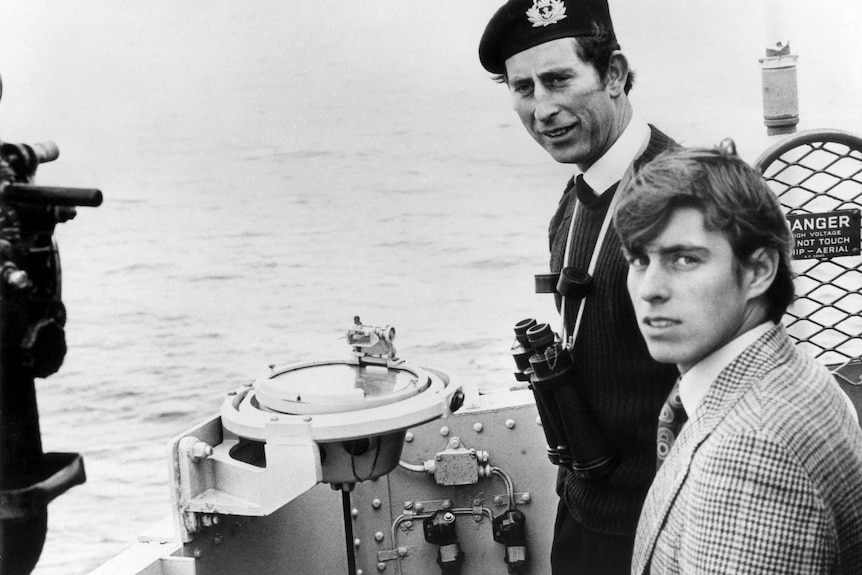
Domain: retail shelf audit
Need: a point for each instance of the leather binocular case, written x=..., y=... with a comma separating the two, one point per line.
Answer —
x=573, y=283
x=573, y=436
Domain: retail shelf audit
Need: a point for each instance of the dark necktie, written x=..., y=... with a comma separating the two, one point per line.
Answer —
x=670, y=422
x=584, y=191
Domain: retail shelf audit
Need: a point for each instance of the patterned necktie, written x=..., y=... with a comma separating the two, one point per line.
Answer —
x=670, y=422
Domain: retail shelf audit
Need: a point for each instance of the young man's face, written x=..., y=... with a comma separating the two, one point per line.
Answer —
x=562, y=102
x=689, y=297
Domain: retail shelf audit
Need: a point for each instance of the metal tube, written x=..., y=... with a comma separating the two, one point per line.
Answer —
x=778, y=75
x=348, y=532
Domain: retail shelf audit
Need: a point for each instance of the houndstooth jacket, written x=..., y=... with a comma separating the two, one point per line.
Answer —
x=766, y=477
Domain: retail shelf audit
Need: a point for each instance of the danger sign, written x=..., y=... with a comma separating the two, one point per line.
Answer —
x=826, y=235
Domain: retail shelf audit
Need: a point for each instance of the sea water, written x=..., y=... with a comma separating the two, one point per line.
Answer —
x=272, y=169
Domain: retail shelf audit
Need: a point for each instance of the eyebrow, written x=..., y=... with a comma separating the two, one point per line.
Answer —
x=678, y=248
x=557, y=70
x=644, y=248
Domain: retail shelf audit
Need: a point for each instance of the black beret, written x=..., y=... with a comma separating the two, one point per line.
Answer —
x=522, y=24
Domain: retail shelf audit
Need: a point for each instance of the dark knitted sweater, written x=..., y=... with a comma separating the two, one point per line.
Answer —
x=621, y=384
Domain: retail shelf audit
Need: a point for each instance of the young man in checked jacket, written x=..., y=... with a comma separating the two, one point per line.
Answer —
x=765, y=476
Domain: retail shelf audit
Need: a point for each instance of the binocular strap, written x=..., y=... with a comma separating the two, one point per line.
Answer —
x=594, y=258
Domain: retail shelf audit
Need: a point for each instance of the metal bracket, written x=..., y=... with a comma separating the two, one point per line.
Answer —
x=393, y=554
x=429, y=507
x=520, y=499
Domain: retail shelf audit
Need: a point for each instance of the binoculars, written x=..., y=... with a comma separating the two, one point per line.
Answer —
x=574, y=437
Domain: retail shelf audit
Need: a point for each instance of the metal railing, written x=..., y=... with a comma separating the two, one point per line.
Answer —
x=820, y=172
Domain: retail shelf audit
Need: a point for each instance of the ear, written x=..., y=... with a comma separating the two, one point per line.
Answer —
x=760, y=271
x=618, y=73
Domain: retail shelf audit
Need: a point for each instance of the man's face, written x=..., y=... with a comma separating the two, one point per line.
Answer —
x=688, y=296
x=562, y=102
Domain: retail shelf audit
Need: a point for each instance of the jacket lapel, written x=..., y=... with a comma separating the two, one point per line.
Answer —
x=724, y=393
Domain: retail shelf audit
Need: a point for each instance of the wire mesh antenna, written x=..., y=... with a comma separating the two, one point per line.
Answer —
x=817, y=176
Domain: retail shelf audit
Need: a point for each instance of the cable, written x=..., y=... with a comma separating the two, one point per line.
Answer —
x=417, y=467
x=510, y=487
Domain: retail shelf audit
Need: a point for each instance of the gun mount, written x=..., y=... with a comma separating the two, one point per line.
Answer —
x=32, y=345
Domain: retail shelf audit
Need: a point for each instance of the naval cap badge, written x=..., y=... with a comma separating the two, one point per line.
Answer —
x=546, y=12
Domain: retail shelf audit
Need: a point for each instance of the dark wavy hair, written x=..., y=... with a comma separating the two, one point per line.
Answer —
x=595, y=50
x=733, y=197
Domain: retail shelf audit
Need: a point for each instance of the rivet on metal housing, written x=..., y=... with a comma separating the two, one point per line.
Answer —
x=478, y=427
x=408, y=437
x=510, y=423
x=444, y=431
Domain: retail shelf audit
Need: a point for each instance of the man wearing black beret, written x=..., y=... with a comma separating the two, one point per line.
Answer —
x=569, y=84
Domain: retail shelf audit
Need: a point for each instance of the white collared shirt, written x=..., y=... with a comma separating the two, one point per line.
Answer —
x=694, y=384
x=696, y=381
x=609, y=169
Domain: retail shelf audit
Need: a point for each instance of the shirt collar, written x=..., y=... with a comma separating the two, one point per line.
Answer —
x=695, y=383
x=609, y=169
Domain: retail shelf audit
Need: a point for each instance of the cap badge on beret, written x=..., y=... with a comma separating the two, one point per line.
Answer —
x=546, y=12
